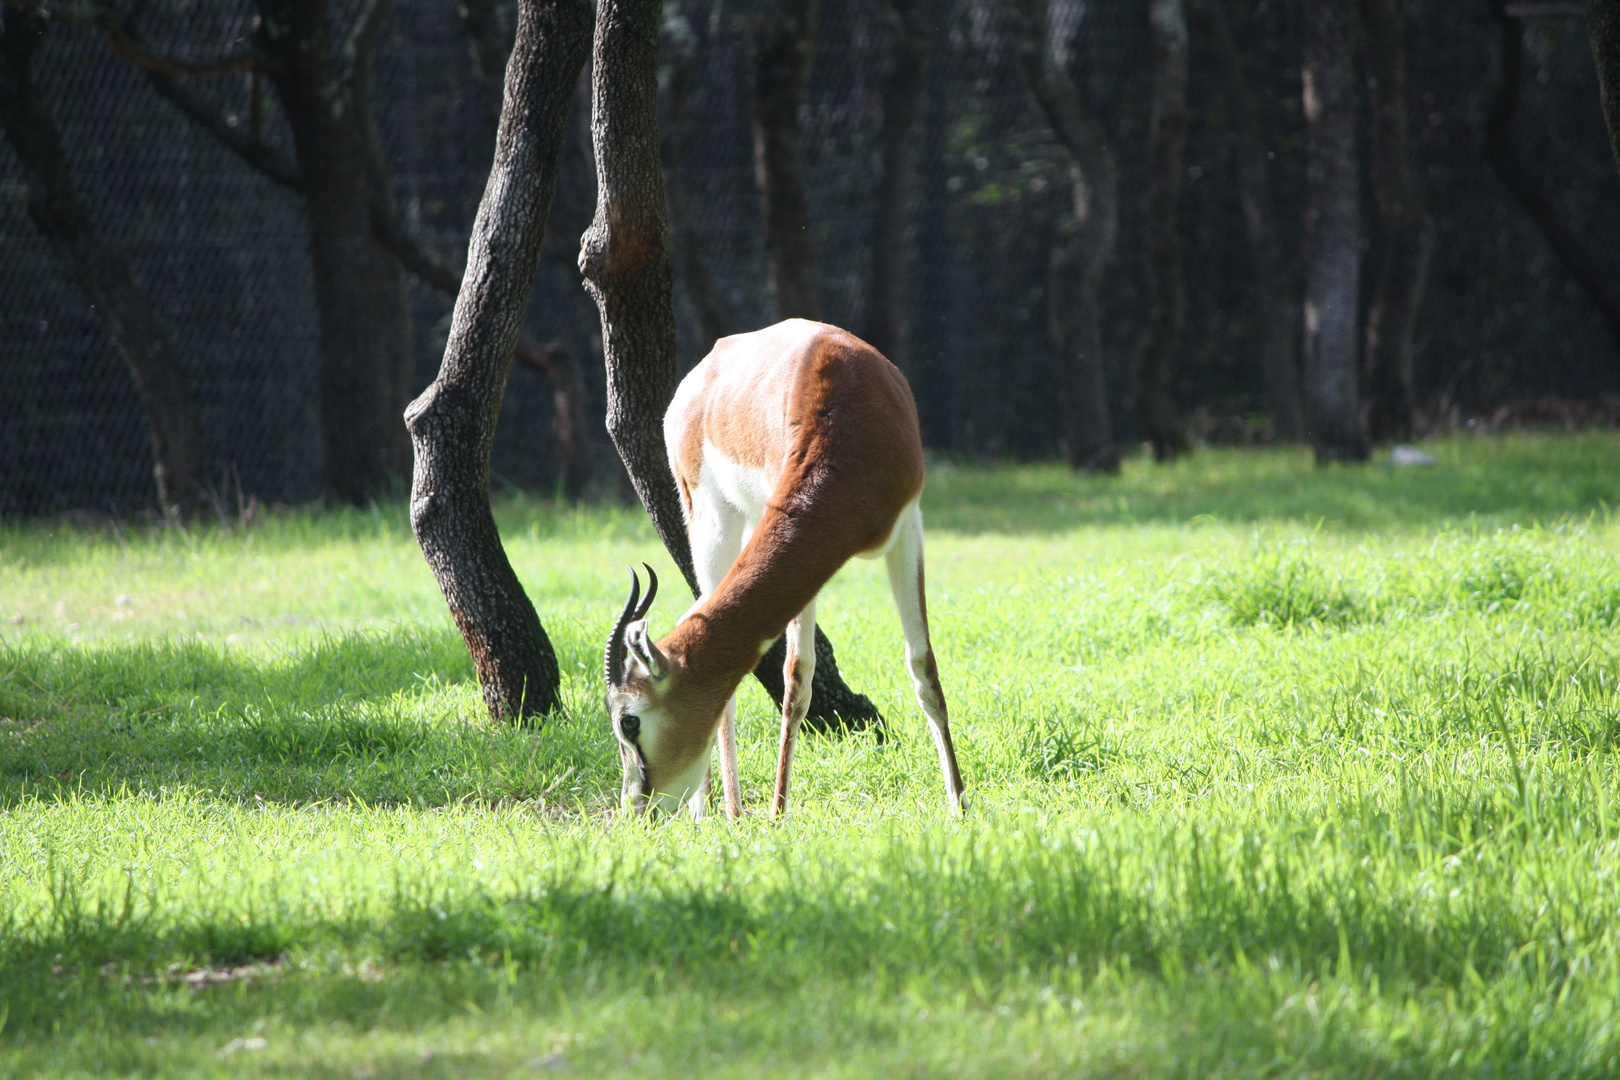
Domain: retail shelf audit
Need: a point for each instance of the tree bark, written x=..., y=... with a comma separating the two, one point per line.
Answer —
x=784, y=47
x=489, y=47
x=452, y=424
x=1603, y=25
x=625, y=263
x=1333, y=233
x=1081, y=254
x=1542, y=210
x=1275, y=289
x=710, y=312
x=887, y=328
x=179, y=464
x=1167, y=299
x=1407, y=232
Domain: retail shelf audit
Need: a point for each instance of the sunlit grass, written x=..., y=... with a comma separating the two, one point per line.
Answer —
x=1273, y=771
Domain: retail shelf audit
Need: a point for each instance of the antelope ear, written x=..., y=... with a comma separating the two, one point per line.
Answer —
x=645, y=651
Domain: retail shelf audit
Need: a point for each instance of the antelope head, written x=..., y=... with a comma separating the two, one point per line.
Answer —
x=664, y=754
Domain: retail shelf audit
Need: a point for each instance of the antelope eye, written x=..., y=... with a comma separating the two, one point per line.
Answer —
x=630, y=727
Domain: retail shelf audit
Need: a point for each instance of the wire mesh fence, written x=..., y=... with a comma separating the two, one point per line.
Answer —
x=223, y=252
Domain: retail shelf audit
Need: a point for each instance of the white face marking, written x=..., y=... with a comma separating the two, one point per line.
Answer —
x=651, y=741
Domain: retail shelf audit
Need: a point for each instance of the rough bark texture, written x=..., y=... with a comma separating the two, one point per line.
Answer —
x=625, y=263
x=452, y=424
x=1167, y=299
x=1275, y=289
x=1603, y=26
x=1333, y=233
x=1542, y=210
x=887, y=328
x=179, y=464
x=1080, y=256
x=784, y=46
x=1407, y=232
x=710, y=313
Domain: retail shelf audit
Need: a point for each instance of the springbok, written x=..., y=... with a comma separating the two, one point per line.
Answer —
x=794, y=448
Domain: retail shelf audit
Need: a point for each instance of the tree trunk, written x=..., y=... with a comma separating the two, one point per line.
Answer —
x=1408, y=234
x=1603, y=25
x=625, y=263
x=709, y=310
x=887, y=328
x=556, y=362
x=1333, y=233
x=1167, y=299
x=365, y=320
x=1080, y=259
x=1276, y=293
x=1542, y=210
x=452, y=424
x=179, y=464
x=784, y=46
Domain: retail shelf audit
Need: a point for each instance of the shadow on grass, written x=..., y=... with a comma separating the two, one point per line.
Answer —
x=378, y=717
x=1518, y=479
x=969, y=925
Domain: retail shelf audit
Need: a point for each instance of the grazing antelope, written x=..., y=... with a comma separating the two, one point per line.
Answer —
x=794, y=447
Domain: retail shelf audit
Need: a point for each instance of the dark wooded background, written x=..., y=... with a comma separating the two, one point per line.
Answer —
x=222, y=252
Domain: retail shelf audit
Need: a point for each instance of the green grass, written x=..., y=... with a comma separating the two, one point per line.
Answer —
x=1274, y=771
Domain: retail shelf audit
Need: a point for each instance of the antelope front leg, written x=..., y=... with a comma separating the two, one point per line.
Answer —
x=730, y=782
x=797, y=673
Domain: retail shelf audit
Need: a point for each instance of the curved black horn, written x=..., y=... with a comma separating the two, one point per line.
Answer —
x=613, y=661
x=652, y=591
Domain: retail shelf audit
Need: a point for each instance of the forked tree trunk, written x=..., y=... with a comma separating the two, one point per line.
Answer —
x=1542, y=210
x=1408, y=234
x=1082, y=255
x=887, y=328
x=1333, y=233
x=784, y=46
x=489, y=47
x=1167, y=300
x=452, y=424
x=625, y=262
x=710, y=312
x=1275, y=290
x=179, y=465
x=1603, y=26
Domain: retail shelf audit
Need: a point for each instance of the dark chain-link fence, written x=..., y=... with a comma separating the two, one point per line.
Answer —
x=222, y=251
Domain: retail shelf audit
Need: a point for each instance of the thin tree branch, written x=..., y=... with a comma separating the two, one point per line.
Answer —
x=434, y=271
x=1545, y=11
x=362, y=41
x=164, y=73
x=125, y=45
x=241, y=142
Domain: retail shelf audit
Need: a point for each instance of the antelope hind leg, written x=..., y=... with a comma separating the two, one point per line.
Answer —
x=797, y=672
x=905, y=565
